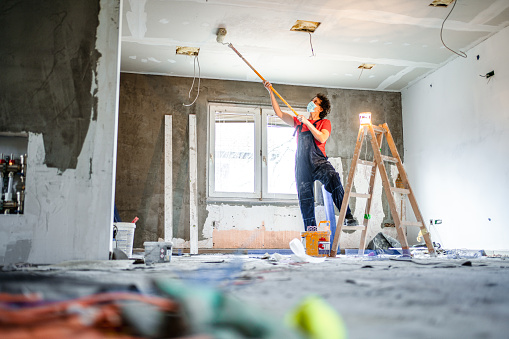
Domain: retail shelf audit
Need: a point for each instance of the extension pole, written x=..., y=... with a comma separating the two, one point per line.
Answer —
x=272, y=88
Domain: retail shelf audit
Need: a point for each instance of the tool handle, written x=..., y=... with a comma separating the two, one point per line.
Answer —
x=254, y=70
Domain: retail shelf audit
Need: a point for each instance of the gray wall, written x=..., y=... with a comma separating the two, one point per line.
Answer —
x=59, y=67
x=145, y=99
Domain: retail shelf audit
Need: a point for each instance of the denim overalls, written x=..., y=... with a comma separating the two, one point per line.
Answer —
x=311, y=165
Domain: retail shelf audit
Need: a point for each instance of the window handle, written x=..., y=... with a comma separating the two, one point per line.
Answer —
x=264, y=159
x=211, y=157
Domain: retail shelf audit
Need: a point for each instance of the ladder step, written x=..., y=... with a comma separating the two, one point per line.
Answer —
x=389, y=159
x=353, y=228
x=411, y=223
x=359, y=195
x=367, y=163
x=400, y=190
x=379, y=129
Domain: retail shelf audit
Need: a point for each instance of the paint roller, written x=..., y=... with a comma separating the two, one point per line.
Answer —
x=221, y=32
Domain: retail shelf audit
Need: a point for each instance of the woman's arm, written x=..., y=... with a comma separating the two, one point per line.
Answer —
x=321, y=136
x=287, y=118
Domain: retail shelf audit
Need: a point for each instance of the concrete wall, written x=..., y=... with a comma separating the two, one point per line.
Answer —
x=60, y=85
x=145, y=99
x=456, y=143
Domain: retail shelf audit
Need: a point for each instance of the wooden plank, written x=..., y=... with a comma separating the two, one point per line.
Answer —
x=378, y=129
x=168, y=179
x=354, y=228
x=360, y=195
x=400, y=190
x=389, y=159
x=411, y=223
x=367, y=163
x=193, y=190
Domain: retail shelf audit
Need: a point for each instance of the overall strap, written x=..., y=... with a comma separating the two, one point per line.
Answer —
x=299, y=127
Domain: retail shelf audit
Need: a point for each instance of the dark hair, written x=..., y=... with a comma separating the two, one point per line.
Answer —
x=325, y=105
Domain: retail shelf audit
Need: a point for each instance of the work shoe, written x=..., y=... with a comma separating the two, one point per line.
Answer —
x=351, y=222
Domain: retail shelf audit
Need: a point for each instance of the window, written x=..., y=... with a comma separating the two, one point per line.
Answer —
x=251, y=154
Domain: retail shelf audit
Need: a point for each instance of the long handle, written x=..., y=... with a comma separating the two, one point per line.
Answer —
x=272, y=88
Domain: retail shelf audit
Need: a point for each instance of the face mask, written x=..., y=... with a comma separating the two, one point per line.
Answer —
x=311, y=107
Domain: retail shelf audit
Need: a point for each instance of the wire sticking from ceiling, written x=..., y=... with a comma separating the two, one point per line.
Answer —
x=196, y=61
x=461, y=53
x=311, y=43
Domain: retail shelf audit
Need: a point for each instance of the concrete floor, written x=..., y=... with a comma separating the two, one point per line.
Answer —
x=380, y=298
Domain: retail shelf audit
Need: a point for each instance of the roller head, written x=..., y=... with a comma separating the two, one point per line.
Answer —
x=221, y=32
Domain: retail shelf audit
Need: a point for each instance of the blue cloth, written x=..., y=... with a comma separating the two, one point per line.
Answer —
x=329, y=213
x=116, y=216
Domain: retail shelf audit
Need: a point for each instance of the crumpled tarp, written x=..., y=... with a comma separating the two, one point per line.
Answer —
x=383, y=241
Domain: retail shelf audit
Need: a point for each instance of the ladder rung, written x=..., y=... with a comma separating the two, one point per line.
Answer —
x=379, y=129
x=360, y=195
x=353, y=228
x=367, y=163
x=400, y=190
x=389, y=159
x=411, y=223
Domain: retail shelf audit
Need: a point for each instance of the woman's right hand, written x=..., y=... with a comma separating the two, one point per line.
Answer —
x=267, y=85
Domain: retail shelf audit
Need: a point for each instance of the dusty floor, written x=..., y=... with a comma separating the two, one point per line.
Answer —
x=387, y=297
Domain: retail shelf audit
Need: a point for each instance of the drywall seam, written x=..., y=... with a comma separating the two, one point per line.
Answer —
x=491, y=12
x=361, y=15
x=393, y=78
x=137, y=18
x=193, y=189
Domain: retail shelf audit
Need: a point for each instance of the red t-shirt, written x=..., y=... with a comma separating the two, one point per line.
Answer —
x=322, y=124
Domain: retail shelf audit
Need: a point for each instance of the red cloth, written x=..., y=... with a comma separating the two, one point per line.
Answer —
x=322, y=124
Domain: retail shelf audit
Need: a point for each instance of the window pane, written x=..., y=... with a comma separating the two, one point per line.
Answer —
x=234, y=152
x=281, y=147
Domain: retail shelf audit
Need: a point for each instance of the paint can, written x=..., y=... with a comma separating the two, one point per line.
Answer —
x=125, y=237
x=157, y=252
x=317, y=243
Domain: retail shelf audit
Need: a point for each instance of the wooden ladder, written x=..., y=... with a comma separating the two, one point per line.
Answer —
x=377, y=133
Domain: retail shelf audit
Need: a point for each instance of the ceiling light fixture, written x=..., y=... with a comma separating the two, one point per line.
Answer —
x=305, y=26
x=193, y=51
x=441, y=3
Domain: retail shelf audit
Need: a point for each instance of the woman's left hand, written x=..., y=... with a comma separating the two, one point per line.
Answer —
x=302, y=119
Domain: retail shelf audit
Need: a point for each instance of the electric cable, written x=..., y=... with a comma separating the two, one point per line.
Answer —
x=463, y=54
x=196, y=61
x=311, y=43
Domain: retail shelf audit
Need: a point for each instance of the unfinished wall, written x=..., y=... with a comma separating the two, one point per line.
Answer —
x=59, y=84
x=145, y=99
x=456, y=141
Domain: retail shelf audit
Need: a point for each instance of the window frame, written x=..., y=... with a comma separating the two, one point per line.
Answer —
x=260, y=114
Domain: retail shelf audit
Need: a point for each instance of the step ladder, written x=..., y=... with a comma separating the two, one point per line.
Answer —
x=377, y=133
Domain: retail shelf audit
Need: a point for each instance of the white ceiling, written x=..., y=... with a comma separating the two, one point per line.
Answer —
x=402, y=37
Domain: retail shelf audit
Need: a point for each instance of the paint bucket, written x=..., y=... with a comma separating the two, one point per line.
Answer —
x=125, y=237
x=157, y=251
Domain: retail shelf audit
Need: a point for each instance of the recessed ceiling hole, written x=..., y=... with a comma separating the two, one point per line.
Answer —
x=193, y=51
x=441, y=3
x=366, y=66
x=305, y=26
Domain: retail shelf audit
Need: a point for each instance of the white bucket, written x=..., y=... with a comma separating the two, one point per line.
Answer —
x=125, y=237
